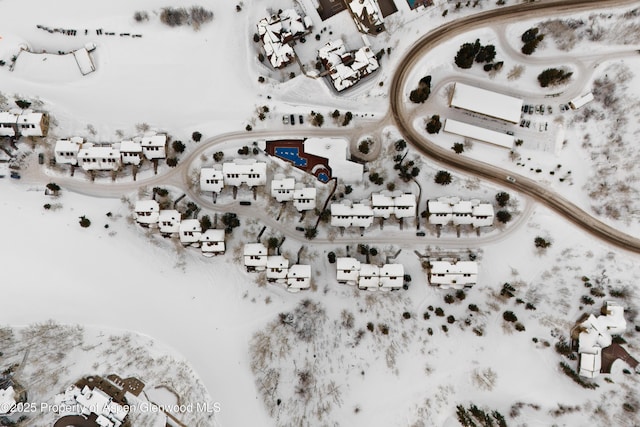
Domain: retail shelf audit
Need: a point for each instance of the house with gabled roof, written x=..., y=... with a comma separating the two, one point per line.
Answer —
x=245, y=171
x=66, y=150
x=31, y=123
x=366, y=15
x=596, y=335
x=212, y=242
x=211, y=179
x=346, y=68
x=304, y=199
x=401, y=205
x=93, y=157
x=277, y=268
x=8, y=400
x=154, y=146
x=461, y=213
x=369, y=277
x=391, y=277
x=255, y=256
x=451, y=209
x=190, y=232
x=131, y=151
x=9, y=123
x=299, y=277
x=458, y=275
x=147, y=212
x=282, y=188
x=348, y=270
x=169, y=222
x=351, y=215
x=482, y=214
x=278, y=31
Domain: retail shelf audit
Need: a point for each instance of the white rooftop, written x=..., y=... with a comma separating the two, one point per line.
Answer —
x=486, y=102
x=479, y=133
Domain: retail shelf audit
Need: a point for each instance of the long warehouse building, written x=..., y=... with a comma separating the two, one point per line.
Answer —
x=481, y=134
x=486, y=102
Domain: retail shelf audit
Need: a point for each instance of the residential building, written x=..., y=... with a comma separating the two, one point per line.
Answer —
x=212, y=242
x=299, y=277
x=346, y=68
x=277, y=268
x=367, y=15
x=351, y=215
x=8, y=400
x=87, y=401
x=304, y=199
x=401, y=205
x=98, y=157
x=169, y=222
x=255, y=256
x=211, y=180
x=456, y=275
x=596, y=334
x=18, y=122
x=447, y=210
x=30, y=123
x=249, y=172
x=131, y=151
x=391, y=277
x=147, y=212
x=190, y=232
x=348, y=270
x=282, y=188
x=154, y=146
x=278, y=31
x=482, y=214
x=369, y=278
x=66, y=150
x=8, y=123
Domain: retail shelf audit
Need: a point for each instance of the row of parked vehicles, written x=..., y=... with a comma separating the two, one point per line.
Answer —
x=539, y=109
x=291, y=119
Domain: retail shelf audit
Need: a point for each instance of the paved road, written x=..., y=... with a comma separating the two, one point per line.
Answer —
x=399, y=98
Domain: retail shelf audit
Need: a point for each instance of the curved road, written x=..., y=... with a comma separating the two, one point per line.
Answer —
x=486, y=171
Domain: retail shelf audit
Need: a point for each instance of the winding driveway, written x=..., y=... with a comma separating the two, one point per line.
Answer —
x=398, y=100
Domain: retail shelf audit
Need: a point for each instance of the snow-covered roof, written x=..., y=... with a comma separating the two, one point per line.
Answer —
x=369, y=270
x=479, y=133
x=211, y=180
x=483, y=209
x=7, y=400
x=581, y=101
x=382, y=200
x=366, y=12
x=336, y=150
x=66, y=145
x=391, y=270
x=463, y=206
x=282, y=189
x=93, y=401
x=437, y=207
x=158, y=140
x=253, y=249
x=190, y=225
x=304, y=193
x=344, y=76
x=598, y=330
x=486, y=102
x=590, y=364
x=277, y=262
x=356, y=212
x=84, y=60
x=347, y=263
x=460, y=267
x=169, y=221
x=300, y=271
x=147, y=206
x=213, y=235
x=130, y=146
x=245, y=171
x=103, y=152
x=277, y=31
x=8, y=117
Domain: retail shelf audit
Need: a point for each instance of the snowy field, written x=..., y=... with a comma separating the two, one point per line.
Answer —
x=268, y=357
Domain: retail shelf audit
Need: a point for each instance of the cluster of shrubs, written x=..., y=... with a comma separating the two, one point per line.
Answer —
x=176, y=17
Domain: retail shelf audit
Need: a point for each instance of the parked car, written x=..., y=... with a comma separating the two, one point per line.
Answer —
x=420, y=233
x=15, y=175
x=528, y=123
x=245, y=203
x=525, y=108
x=510, y=132
x=285, y=120
x=531, y=108
x=549, y=109
x=300, y=228
x=300, y=119
x=292, y=118
x=541, y=110
x=41, y=158
x=546, y=125
x=522, y=122
x=510, y=178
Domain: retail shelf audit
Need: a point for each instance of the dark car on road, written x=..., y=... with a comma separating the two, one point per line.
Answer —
x=245, y=203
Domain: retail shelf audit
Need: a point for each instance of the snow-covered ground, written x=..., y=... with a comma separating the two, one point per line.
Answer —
x=115, y=276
